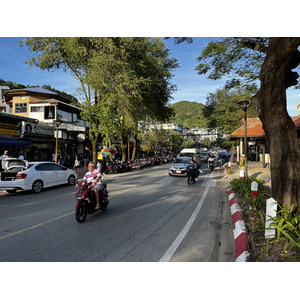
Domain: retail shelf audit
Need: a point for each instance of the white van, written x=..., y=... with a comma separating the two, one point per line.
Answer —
x=191, y=152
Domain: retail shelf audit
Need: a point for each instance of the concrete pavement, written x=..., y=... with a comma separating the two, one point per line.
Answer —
x=255, y=169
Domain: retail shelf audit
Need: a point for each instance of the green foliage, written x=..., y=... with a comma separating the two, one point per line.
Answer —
x=188, y=144
x=240, y=57
x=159, y=139
x=222, y=110
x=287, y=224
x=243, y=189
x=123, y=79
x=189, y=114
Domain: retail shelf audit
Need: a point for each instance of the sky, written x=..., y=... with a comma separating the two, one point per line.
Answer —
x=190, y=85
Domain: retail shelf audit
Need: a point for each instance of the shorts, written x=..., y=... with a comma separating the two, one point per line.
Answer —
x=76, y=167
x=98, y=187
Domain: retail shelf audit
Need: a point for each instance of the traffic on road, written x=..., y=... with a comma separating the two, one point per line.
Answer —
x=151, y=217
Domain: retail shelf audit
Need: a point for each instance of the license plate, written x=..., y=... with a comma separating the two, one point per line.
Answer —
x=178, y=172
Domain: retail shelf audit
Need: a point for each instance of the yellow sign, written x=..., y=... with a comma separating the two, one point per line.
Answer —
x=10, y=131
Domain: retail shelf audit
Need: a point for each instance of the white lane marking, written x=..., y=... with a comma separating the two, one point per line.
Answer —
x=34, y=226
x=167, y=256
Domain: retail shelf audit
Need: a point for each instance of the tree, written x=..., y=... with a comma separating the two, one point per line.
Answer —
x=122, y=80
x=270, y=60
x=188, y=144
x=222, y=110
x=70, y=54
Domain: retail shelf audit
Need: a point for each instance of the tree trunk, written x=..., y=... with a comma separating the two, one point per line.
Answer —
x=134, y=146
x=124, y=148
x=280, y=130
x=233, y=146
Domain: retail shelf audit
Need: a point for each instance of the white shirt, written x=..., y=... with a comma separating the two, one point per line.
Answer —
x=21, y=157
x=2, y=160
x=90, y=176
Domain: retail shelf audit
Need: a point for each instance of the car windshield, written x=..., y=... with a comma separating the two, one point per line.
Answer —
x=203, y=154
x=30, y=165
x=187, y=154
x=181, y=160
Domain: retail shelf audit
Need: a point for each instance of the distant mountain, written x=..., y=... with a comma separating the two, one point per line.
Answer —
x=189, y=114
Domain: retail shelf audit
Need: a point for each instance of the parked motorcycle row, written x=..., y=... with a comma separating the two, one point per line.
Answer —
x=120, y=167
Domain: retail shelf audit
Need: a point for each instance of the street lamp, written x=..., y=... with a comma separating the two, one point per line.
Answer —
x=56, y=123
x=244, y=105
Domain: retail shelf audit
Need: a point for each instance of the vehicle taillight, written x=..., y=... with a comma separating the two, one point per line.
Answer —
x=21, y=176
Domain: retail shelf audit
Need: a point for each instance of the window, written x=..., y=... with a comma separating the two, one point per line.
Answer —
x=54, y=167
x=37, y=108
x=21, y=108
x=50, y=112
x=64, y=116
x=43, y=167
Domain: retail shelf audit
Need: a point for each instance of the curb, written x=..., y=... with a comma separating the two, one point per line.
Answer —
x=239, y=232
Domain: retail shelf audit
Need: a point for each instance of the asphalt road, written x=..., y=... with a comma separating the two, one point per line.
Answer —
x=151, y=217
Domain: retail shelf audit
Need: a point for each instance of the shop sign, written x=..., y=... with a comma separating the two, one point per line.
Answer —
x=10, y=131
x=43, y=146
x=31, y=128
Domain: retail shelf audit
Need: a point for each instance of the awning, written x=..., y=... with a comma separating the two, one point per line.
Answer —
x=7, y=141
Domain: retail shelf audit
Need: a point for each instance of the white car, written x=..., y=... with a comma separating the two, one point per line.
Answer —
x=23, y=175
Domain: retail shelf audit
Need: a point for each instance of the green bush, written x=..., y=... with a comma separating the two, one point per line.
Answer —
x=288, y=225
x=243, y=190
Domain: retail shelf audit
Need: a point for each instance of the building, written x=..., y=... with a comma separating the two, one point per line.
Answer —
x=256, y=139
x=45, y=107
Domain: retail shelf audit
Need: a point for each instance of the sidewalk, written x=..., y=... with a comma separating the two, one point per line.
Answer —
x=255, y=169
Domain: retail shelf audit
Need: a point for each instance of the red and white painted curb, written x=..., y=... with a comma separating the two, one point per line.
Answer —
x=239, y=233
x=225, y=173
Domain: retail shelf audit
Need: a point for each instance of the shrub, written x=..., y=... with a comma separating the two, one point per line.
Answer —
x=288, y=225
x=243, y=189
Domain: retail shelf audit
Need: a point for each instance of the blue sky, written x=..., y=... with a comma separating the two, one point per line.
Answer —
x=190, y=85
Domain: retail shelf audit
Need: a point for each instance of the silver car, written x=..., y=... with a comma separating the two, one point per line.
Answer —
x=178, y=166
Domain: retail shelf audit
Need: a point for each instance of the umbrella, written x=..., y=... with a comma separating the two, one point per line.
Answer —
x=109, y=150
x=101, y=155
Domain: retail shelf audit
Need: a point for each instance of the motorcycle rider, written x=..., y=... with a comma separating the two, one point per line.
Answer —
x=93, y=175
x=193, y=166
x=211, y=160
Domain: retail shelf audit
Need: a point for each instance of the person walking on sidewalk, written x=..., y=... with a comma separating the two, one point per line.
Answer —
x=76, y=165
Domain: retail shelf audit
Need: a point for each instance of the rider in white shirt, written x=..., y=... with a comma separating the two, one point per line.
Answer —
x=94, y=176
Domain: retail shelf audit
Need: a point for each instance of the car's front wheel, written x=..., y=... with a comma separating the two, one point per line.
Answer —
x=71, y=180
x=37, y=186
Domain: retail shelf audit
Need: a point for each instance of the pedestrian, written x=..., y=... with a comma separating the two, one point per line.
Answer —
x=4, y=156
x=21, y=156
x=99, y=165
x=76, y=165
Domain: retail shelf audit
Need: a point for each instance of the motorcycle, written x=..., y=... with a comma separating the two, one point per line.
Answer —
x=87, y=200
x=211, y=165
x=190, y=176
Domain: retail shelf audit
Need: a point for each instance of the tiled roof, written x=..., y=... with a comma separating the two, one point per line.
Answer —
x=255, y=129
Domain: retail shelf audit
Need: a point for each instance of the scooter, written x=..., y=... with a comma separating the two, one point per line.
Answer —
x=211, y=165
x=190, y=175
x=86, y=198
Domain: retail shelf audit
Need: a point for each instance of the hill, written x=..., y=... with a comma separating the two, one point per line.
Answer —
x=189, y=114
